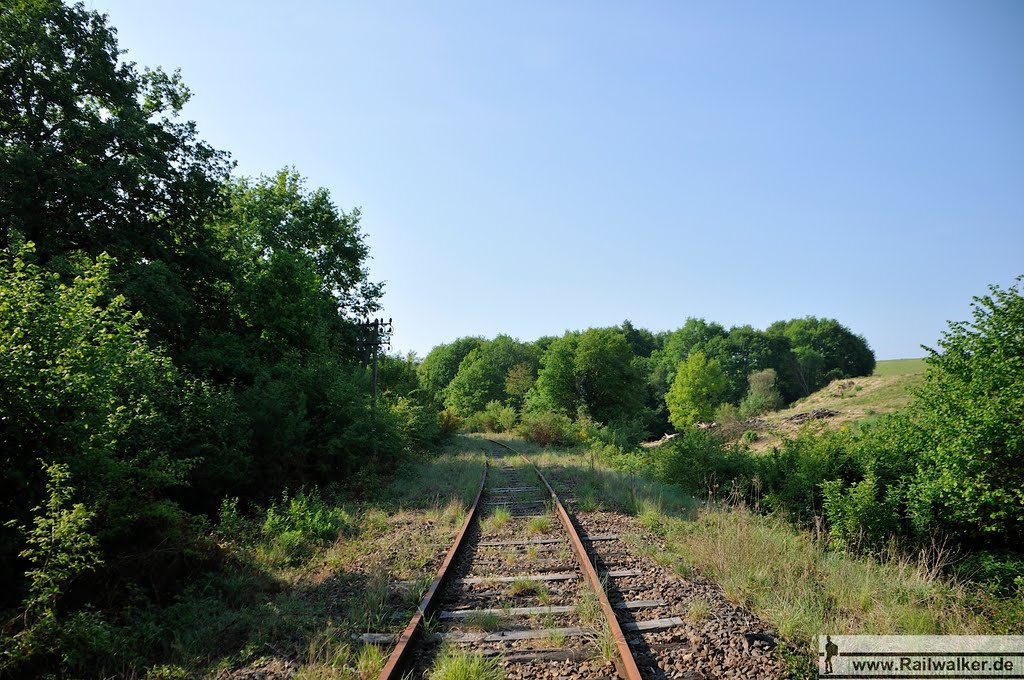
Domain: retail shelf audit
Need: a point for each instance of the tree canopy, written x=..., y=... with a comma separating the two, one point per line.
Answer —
x=95, y=158
x=696, y=390
x=483, y=373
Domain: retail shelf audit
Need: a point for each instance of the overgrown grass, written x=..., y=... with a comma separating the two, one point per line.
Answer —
x=606, y=488
x=297, y=579
x=698, y=609
x=295, y=527
x=486, y=621
x=588, y=609
x=791, y=579
x=454, y=664
x=331, y=656
x=783, y=573
x=524, y=586
x=428, y=483
x=605, y=648
x=538, y=525
x=555, y=638
x=496, y=521
x=900, y=366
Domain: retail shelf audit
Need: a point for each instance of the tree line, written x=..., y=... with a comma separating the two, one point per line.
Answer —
x=636, y=382
x=942, y=477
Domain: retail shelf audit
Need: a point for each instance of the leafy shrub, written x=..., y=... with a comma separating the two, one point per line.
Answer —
x=1002, y=571
x=58, y=548
x=966, y=424
x=730, y=425
x=698, y=462
x=230, y=522
x=548, y=429
x=762, y=396
x=496, y=417
x=297, y=526
x=622, y=434
x=754, y=405
x=417, y=426
x=858, y=515
x=792, y=476
x=449, y=422
x=80, y=386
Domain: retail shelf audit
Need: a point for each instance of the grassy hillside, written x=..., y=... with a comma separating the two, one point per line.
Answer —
x=889, y=389
x=900, y=367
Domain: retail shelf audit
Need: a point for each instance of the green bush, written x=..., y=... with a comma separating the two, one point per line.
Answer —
x=623, y=434
x=496, y=417
x=417, y=425
x=791, y=477
x=81, y=387
x=1001, y=571
x=696, y=391
x=449, y=422
x=230, y=522
x=58, y=549
x=548, y=429
x=297, y=526
x=965, y=426
x=762, y=396
x=698, y=462
x=858, y=515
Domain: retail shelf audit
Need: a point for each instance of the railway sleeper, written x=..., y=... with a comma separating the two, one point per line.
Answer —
x=550, y=609
x=509, y=635
x=527, y=656
x=535, y=541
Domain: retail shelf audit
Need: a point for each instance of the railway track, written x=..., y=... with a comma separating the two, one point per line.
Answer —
x=532, y=591
x=519, y=587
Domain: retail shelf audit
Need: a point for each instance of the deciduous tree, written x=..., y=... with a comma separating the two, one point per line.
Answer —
x=481, y=377
x=696, y=390
x=94, y=157
x=968, y=417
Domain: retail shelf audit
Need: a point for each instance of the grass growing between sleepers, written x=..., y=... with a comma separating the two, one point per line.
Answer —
x=454, y=664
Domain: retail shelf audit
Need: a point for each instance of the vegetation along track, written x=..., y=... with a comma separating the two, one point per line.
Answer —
x=523, y=595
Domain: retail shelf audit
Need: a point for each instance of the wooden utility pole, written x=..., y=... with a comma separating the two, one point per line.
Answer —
x=374, y=334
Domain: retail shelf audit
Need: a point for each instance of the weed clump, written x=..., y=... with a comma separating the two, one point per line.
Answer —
x=497, y=520
x=453, y=664
x=539, y=525
x=299, y=525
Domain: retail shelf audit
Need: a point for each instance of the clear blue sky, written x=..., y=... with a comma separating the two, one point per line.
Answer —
x=531, y=167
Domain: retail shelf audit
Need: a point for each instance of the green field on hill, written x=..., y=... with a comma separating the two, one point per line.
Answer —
x=900, y=367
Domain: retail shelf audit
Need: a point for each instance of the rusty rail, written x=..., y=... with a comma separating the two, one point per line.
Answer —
x=399, y=658
x=627, y=664
x=400, y=654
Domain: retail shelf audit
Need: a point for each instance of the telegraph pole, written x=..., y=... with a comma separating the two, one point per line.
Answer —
x=374, y=334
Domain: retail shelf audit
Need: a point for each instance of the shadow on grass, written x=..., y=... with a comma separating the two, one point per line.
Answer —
x=244, y=615
x=256, y=612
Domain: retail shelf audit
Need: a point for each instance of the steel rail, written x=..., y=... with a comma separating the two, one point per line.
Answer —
x=400, y=654
x=627, y=667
